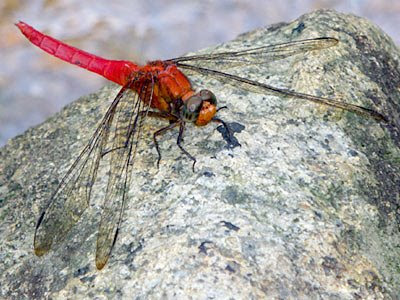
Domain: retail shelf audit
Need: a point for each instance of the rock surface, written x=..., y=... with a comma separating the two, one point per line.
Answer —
x=307, y=207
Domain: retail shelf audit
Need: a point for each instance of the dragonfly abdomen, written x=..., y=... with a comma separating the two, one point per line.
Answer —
x=118, y=71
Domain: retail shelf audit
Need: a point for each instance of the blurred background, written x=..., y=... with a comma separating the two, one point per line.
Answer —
x=34, y=85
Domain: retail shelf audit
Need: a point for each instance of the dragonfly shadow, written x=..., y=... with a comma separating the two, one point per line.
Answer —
x=231, y=140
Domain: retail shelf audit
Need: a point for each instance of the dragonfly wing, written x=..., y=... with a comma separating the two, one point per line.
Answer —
x=72, y=196
x=259, y=87
x=258, y=55
x=126, y=130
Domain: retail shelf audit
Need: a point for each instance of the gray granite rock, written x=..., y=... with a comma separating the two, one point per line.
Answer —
x=307, y=208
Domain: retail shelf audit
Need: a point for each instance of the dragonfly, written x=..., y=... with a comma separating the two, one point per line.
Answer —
x=160, y=89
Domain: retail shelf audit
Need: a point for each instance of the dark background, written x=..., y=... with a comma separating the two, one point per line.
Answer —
x=34, y=85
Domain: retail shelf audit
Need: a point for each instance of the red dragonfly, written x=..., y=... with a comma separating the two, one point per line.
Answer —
x=161, y=91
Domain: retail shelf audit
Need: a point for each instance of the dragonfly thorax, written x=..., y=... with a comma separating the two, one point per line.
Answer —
x=174, y=93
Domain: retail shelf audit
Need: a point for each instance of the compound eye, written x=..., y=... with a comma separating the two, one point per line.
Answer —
x=193, y=104
x=192, y=107
x=207, y=95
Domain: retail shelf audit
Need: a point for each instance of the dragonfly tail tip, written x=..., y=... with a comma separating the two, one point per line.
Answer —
x=100, y=264
x=40, y=251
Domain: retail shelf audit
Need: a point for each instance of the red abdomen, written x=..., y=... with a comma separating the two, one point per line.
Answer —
x=169, y=83
x=117, y=71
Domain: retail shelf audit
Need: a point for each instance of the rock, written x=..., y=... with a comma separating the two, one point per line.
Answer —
x=307, y=207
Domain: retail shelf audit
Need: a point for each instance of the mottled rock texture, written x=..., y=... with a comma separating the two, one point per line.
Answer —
x=307, y=208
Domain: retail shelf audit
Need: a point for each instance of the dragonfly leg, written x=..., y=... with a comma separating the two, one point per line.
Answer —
x=159, y=132
x=180, y=138
x=151, y=114
x=231, y=139
x=111, y=150
x=222, y=107
x=126, y=144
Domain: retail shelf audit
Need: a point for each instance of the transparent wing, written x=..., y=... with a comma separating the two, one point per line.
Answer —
x=259, y=87
x=214, y=65
x=125, y=134
x=257, y=55
x=72, y=196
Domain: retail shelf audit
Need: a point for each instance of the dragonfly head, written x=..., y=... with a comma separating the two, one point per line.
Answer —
x=200, y=108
